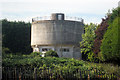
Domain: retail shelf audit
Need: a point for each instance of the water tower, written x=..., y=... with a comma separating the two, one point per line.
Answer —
x=57, y=33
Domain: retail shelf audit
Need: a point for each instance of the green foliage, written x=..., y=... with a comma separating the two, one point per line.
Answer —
x=36, y=54
x=51, y=53
x=5, y=51
x=16, y=36
x=115, y=13
x=91, y=56
x=87, y=43
x=59, y=66
x=110, y=45
x=106, y=44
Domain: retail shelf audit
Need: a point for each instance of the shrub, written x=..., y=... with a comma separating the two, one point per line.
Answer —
x=6, y=50
x=36, y=54
x=51, y=53
x=64, y=67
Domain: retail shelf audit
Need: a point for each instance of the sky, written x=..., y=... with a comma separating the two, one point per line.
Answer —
x=24, y=10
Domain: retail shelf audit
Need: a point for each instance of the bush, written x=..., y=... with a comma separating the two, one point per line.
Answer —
x=51, y=53
x=36, y=54
x=64, y=67
x=6, y=50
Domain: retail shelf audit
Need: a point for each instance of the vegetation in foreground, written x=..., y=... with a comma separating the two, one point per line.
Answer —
x=58, y=65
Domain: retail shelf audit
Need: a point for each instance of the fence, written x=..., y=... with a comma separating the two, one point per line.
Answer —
x=49, y=74
x=49, y=18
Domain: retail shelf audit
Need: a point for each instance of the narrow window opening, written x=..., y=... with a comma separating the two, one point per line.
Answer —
x=59, y=17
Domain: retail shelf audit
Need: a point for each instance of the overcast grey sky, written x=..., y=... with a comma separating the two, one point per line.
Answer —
x=25, y=10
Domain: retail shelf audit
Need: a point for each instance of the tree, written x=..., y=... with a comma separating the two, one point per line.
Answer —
x=100, y=31
x=99, y=35
x=110, y=47
x=87, y=43
x=16, y=36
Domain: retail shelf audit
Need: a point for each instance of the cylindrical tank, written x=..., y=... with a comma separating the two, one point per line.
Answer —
x=56, y=32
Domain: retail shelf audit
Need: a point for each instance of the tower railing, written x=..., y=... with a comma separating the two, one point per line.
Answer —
x=49, y=18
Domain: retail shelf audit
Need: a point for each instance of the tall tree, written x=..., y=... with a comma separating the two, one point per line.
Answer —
x=16, y=36
x=87, y=43
x=99, y=35
x=110, y=47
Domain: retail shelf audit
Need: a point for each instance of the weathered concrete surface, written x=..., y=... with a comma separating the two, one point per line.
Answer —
x=57, y=34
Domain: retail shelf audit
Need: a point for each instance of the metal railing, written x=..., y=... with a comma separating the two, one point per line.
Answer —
x=49, y=18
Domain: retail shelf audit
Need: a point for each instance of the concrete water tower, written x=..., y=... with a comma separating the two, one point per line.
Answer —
x=58, y=34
